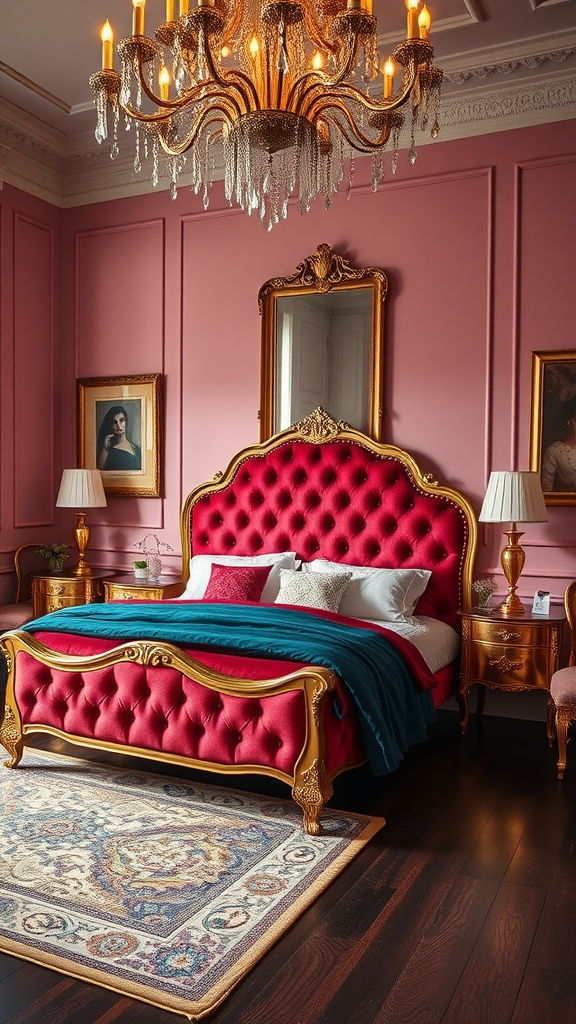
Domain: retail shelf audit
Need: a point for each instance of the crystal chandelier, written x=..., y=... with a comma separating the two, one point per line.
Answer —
x=281, y=85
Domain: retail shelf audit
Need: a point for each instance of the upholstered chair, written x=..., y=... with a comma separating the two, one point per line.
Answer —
x=12, y=616
x=563, y=684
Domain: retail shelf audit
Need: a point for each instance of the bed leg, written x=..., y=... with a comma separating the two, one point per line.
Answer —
x=311, y=791
x=11, y=737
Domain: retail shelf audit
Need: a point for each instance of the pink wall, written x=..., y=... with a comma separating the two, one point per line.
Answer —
x=478, y=240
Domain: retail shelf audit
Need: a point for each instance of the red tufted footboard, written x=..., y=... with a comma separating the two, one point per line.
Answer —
x=160, y=709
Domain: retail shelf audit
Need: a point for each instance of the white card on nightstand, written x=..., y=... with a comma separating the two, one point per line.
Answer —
x=541, y=604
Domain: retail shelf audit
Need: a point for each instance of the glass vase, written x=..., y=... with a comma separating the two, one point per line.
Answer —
x=154, y=566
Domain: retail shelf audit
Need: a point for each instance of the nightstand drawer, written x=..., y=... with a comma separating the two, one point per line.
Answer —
x=515, y=634
x=116, y=592
x=50, y=593
x=69, y=591
x=128, y=588
x=508, y=666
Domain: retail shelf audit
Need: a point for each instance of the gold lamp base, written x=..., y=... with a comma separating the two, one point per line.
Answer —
x=512, y=561
x=82, y=535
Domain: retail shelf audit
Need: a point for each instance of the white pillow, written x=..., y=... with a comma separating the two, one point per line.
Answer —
x=389, y=594
x=313, y=589
x=201, y=567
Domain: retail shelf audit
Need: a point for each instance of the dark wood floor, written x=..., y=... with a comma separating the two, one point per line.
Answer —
x=461, y=911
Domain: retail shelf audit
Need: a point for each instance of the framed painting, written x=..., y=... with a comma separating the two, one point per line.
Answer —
x=119, y=432
x=553, y=425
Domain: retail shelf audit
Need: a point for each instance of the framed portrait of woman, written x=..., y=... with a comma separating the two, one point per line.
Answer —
x=553, y=425
x=118, y=432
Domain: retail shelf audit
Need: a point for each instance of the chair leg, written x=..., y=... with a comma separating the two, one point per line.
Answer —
x=563, y=716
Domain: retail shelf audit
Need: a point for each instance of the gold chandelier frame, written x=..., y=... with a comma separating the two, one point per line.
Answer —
x=243, y=75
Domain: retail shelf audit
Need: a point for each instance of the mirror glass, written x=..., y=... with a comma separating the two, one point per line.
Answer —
x=322, y=344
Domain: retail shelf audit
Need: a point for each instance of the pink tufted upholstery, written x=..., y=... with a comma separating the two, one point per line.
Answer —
x=342, y=502
x=563, y=684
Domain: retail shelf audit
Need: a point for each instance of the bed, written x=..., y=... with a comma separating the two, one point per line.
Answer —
x=316, y=569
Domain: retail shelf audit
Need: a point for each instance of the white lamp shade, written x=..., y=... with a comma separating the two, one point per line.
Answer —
x=514, y=497
x=81, y=488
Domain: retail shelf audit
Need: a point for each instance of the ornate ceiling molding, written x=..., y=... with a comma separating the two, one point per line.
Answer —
x=508, y=66
x=547, y=100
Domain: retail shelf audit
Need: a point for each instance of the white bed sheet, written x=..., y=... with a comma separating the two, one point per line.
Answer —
x=437, y=642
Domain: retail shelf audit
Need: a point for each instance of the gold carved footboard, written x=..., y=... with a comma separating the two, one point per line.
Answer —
x=311, y=787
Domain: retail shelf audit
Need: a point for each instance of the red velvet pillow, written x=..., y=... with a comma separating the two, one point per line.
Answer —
x=236, y=582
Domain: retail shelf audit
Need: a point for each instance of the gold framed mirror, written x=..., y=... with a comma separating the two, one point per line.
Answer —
x=322, y=344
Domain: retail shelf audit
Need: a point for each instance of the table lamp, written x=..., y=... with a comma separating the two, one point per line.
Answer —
x=514, y=497
x=81, y=489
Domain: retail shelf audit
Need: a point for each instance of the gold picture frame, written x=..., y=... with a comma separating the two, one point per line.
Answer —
x=119, y=432
x=553, y=425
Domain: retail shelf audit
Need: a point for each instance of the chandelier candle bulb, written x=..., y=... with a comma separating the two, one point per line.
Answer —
x=388, y=72
x=169, y=10
x=138, y=17
x=367, y=5
x=424, y=20
x=412, y=19
x=183, y=7
x=107, y=37
x=164, y=80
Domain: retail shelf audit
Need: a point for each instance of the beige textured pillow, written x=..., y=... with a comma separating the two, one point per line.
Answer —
x=312, y=589
x=388, y=594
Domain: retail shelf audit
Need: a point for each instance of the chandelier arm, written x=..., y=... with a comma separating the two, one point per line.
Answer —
x=147, y=91
x=179, y=104
x=235, y=21
x=358, y=140
x=268, y=83
x=161, y=118
x=138, y=115
x=315, y=33
x=352, y=45
x=326, y=80
x=279, y=85
x=226, y=81
x=351, y=92
x=190, y=139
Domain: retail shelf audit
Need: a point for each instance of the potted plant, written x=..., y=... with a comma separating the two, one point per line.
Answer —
x=140, y=570
x=55, y=554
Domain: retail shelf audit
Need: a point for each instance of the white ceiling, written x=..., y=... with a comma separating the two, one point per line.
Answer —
x=507, y=63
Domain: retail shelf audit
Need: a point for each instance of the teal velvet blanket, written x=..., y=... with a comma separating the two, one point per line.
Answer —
x=393, y=706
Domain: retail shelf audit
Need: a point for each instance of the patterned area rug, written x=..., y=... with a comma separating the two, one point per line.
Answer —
x=160, y=889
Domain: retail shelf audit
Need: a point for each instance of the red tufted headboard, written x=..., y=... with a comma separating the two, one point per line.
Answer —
x=325, y=490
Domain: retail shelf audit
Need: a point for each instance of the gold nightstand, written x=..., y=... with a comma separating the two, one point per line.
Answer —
x=509, y=652
x=128, y=588
x=51, y=592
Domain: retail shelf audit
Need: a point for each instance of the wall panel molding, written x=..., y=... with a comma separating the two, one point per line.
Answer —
x=118, y=336
x=33, y=372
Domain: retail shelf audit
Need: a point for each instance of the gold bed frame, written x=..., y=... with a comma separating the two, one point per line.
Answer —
x=311, y=785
